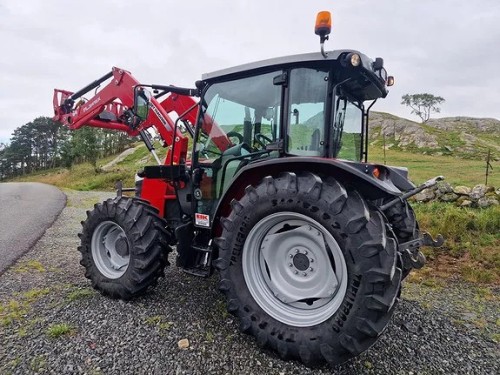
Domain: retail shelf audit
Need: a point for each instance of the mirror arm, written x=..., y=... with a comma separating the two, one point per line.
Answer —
x=177, y=90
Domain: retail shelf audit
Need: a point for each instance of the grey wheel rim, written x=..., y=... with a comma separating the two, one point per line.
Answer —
x=294, y=269
x=110, y=249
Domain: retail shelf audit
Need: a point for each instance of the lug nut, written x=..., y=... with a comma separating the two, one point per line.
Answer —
x=311, y=260
x=311, y=269
x=306, y=252
x=304, y=274
x=297, y=251
x=295, y=272
x=290, y=264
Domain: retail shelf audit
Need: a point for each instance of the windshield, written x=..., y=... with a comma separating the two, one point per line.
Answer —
x=246, y=111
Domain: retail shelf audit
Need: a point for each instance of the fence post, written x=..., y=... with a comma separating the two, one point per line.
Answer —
x=383, y=137
x=488, y=166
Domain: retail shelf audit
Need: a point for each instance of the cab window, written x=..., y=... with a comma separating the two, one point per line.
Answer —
x=308, y=94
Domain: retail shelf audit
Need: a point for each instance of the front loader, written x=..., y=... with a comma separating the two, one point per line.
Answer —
x=311, y=241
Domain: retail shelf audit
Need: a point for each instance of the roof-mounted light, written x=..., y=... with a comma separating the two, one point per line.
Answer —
x=323, y=28
x=390, y=81
x=351, y=59
x=355, y=59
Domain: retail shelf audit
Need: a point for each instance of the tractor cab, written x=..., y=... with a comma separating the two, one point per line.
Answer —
x=296, y=106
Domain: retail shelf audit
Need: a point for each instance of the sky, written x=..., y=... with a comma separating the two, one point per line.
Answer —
x=449, y=48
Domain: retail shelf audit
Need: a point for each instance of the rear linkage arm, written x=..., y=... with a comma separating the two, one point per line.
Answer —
x=409, y=250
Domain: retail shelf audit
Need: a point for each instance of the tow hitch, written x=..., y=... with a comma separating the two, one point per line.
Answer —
x=409, y=251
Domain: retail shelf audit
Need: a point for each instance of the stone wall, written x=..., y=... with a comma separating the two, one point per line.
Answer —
x=463, y=196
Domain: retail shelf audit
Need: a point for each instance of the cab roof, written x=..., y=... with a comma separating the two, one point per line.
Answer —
x=280, y=62
x=365, y=85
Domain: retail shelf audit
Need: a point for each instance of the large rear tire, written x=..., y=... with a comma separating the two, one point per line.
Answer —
x=404, y=224
x=308, y=269
x=124, y=247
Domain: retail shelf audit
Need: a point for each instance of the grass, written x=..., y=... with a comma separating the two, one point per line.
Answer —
x=29, y=266
x=58, y=330
x=423, y=167
x=18, y=307
x=159, y=321
x=28, y=327
x=38, y=363
x=472, y=241
x=78, y=294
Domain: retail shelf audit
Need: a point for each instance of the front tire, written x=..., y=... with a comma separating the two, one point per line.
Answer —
x=347, y=280
x=124, y=247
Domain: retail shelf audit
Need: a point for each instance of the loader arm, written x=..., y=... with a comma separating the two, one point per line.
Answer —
x=110, y=109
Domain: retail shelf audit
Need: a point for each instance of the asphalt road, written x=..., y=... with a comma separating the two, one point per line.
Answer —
x=26, y=211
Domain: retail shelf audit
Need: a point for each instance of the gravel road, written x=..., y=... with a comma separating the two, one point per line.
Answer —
x=52, y=322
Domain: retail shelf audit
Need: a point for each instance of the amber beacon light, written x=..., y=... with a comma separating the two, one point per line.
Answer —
x=322, y=28
x=323, y=24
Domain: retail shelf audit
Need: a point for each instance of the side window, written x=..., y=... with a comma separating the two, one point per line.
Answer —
x=347, y=131
x=308, y=93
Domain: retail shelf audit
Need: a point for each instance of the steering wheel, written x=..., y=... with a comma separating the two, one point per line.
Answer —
x=262, y=140
x=233, y=134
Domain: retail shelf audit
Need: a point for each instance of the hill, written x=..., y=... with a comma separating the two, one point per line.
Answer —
x=463, y=137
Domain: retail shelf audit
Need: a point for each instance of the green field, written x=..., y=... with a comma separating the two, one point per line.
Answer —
x=422, y=167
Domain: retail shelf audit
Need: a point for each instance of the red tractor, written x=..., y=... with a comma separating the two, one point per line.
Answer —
x=311, y=242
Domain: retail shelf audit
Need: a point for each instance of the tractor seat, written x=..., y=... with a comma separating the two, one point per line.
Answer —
x=315, y=139
x=228, y=164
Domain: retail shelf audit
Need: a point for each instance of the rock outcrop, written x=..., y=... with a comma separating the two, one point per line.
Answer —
x=458, y=136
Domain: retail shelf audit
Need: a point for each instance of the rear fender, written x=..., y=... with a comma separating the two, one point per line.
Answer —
x=353, y=175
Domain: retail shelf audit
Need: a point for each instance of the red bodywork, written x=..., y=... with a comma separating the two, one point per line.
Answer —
x=117, y=97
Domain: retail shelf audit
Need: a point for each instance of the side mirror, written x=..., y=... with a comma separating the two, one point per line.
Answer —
x=142, y=100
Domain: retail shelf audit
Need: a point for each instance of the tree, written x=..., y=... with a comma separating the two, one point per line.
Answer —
x=85, y=144
x=423, y=104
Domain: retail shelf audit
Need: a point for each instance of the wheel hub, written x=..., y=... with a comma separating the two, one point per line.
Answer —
x=301, y=262
x=121, y=246
x=294, y=269
x=110, y=249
